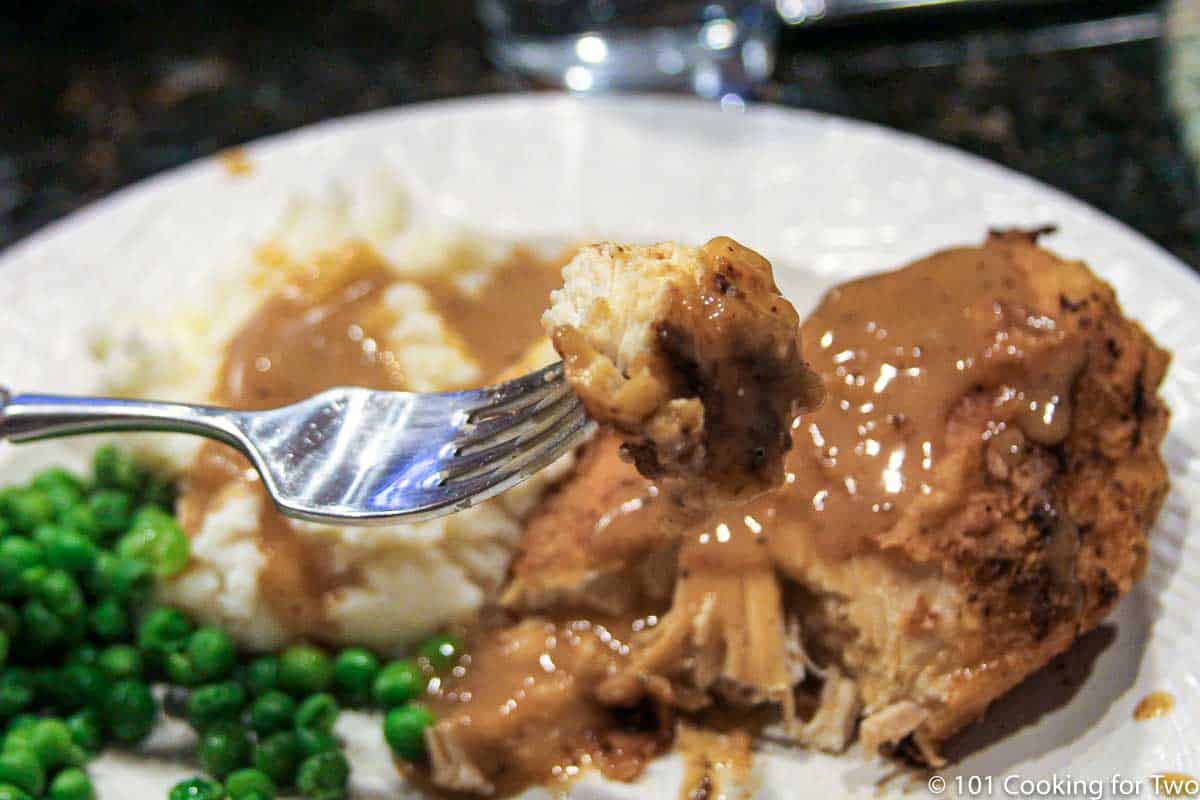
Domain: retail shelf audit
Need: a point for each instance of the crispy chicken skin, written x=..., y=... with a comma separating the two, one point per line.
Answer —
x=974, y=493
x=692, y=354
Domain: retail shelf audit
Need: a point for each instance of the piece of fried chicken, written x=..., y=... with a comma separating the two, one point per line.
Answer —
x=974, y=493
x=693, y=355
x=988, y=464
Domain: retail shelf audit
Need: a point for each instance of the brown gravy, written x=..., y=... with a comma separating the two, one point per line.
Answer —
x=499, y=323
x=324, y=327
x=1154, y=705
x=858, y=461
x=236, y=162
x=522, y=702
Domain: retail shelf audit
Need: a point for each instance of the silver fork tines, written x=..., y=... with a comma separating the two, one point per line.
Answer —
x=490, y=452
x=354, y=455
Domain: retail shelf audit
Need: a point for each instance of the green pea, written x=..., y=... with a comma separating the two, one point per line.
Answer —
x=354, y=672
x=278, y=756
x=80, y=518
x=56, y=476
x=197, y=789
x=62, y=595
x=123, y=578
x=87, y=731
x=244, y=783
x=19, y=729
x=164, y=630
x=312, y=742
x=212, y=653
x=130, y=711
x=63, y=499
x=121, y=662
x=17, y=740
x=324, y=776
x=113, y=468
x=272, y=711
x=216, y=702
x=404, y=730
x=318, y=712
x=25, y=509
x=22, y=769
x=30, y=580
x=398, y=683
x=66, y=549
x=441, y=652
x=157, y=540
x=223, y=748
x=304, y=670
x=17, y=555
x=181, y=670
x=82, y=685
x=261, y=675
x=111, y=510
x=72, y=784
x=10, y=792
x=23, y=553
x=109, y=621
x=41, y=628
x=50, y=739
x=46, y=532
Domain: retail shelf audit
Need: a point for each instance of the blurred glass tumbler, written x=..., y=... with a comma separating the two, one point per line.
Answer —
x=715, y=49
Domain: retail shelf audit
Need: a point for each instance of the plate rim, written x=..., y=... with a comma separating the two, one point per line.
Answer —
x=674, y=103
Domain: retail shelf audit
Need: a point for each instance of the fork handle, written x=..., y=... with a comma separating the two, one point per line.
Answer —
x=29, y=417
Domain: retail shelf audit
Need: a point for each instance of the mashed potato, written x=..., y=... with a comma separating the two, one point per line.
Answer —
x=403, y=581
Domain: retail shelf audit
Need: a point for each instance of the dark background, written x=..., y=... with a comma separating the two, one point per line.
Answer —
x=96, y=95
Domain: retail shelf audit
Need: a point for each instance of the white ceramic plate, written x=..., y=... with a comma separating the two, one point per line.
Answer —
x=824, y=199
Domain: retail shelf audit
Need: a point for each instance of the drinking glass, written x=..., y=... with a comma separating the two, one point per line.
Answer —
x=715, y=49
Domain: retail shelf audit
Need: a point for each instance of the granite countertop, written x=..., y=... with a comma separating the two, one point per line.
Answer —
x=99, y=95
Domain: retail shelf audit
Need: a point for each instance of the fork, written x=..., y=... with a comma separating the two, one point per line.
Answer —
x=351, y=455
